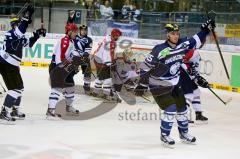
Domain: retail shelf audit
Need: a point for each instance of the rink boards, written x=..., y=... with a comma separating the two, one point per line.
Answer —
x=211, y=65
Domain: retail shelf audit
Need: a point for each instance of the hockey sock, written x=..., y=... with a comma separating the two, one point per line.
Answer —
x=196, y=103
x=53, y=98
x=107, y=85
x=87, y=82
x=98, y=85
x=69, y=96
x=18, y=101
x=182, y=120
x=167, y=119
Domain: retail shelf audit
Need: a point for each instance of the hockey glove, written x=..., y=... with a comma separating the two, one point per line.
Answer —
x=208, y=25
x=192, y=70
x=140, y=89
x=41, y=32
x=202, y=82
x=72, y=16
x=27, y=14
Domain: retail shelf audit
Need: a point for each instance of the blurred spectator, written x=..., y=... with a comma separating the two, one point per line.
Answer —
x=96, y=4
x=127, y=10
x=136, y=13
x=106, y=11
x=93, y=9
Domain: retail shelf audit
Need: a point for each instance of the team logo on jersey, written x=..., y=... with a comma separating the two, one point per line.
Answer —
x=175, y=68
x=164, y=53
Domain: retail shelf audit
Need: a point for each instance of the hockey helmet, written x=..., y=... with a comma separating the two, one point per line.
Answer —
x=171, y=27
x=82, y=26
x=116, y=32
x=14, y=21
x=71, y=27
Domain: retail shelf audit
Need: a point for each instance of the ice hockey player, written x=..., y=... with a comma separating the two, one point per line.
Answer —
x=190, y=82
x=10, y=59
x=104, y=59
x=126, y=71
x=161, y=70
x=62, y=73
x=84, y=43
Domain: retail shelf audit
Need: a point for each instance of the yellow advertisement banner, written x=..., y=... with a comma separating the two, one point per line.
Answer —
x=232, y=31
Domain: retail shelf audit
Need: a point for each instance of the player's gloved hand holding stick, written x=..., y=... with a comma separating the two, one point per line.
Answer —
x=211, y=25
x=27, y=14
x=40, y=32
x=208, y=25
x=192, y=70
x=202, y=82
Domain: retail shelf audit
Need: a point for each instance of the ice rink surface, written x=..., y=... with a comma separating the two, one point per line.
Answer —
x=113, y=135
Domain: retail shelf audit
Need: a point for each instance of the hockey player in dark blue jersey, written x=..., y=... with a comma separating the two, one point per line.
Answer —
x=10, y=59
x=84, y=43
x=161, y=72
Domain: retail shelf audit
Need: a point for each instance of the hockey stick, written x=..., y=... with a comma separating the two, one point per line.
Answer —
x=224, y=102
x=42, y=23
x=24, y=6
x=93, y=75
x=219, y=49
x=3, y=87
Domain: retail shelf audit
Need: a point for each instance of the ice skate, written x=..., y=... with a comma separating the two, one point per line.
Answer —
x=186, y=138
x=112, y=97
x=17, y=114
x=6, y=118
x=51, y=115
x=71, y=110
x=200, y=119
x=167, y=141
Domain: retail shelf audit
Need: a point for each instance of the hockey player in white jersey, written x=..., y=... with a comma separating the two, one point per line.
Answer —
x=61, y=72
x=161, y=71
x=104, y=59
x=190, y=82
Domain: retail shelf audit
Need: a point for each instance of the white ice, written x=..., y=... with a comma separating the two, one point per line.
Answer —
x=108, y=136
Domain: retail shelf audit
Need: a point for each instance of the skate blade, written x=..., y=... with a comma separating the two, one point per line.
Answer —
x=190, y=122
x=5, y=122
x=201, y=122
x=56, y=118
x=18, y=118
x=167, y=145
x=71, y=114
x=188, y=142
